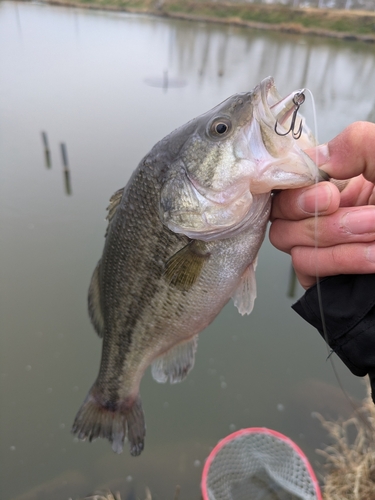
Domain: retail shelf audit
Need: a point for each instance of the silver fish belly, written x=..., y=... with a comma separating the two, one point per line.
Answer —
x=182, y=239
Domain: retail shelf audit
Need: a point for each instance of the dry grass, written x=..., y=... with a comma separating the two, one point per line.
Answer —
x=104, y=495
x=350, y=459
x=108, y=495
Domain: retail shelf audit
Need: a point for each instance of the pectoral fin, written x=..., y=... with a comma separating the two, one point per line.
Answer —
x=246, y=292
x=184, y=267
x=176, y=363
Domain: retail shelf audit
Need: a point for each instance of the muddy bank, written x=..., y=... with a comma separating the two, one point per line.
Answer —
x=346, y=25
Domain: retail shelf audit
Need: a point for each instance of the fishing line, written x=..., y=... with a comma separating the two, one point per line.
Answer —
x=318, y=286
x=353, y=404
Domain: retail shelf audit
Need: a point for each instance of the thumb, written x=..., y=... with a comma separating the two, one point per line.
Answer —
x=349, y=154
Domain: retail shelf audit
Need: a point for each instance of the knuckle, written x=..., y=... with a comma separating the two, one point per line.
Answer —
x=277, y=235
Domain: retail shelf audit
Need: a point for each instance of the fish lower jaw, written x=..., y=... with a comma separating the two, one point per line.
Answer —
x=286, y=173
x=286, y=183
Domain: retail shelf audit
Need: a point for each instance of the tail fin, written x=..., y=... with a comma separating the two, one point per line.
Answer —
x=94, y=420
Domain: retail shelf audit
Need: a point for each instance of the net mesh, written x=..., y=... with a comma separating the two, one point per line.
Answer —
x=258, y=464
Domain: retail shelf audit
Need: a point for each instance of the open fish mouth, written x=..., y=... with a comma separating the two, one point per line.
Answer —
x=280, y=110
x=281, y=114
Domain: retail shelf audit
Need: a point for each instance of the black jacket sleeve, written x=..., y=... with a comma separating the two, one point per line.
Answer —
x=348, y=303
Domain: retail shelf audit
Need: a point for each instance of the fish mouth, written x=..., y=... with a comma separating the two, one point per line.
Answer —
x=277, y=110
x=277, y=138
x=280, y=110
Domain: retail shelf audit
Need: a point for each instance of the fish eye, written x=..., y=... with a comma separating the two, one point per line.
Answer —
x=220, y=127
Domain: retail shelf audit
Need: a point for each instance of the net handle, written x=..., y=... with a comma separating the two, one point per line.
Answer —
x=257, y=430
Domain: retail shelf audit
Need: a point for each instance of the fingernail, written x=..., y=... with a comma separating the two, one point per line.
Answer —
x=316, y=199
x=370, y=253
x=360, y=221
x=319, y=154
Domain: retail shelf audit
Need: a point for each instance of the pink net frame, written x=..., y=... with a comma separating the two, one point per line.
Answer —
x=258, y=463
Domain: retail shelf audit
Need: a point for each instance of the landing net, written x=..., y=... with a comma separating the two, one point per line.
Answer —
x=258, y=464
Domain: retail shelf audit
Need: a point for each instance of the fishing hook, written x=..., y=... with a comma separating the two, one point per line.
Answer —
x=298, y=100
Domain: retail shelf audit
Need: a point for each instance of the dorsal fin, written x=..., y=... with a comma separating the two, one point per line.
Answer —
x=112, y=207
x=95, y=310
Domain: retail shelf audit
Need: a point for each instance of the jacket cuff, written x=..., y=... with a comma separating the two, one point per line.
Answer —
x=347, y=319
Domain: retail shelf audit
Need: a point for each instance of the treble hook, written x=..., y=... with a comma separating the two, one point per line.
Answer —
x=298, y=100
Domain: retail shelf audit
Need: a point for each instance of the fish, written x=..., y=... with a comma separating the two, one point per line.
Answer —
x=182, y=239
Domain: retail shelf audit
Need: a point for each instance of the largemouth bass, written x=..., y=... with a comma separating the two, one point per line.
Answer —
x=182, y=239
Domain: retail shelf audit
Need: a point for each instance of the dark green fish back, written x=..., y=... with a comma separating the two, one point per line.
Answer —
x=124, y=284
x=136, y=249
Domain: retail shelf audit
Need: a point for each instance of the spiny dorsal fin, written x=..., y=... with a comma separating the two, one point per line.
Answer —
x=176, y=363
x=112, y=207
x=184, y=267
x=95, y=310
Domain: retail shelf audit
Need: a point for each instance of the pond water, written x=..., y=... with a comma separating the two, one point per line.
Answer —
x=84, y=78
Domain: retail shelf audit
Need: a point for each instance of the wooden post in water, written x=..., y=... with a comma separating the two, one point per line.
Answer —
x=47, y=153
x=177, y=492
x=64, y=155
x=292, y=283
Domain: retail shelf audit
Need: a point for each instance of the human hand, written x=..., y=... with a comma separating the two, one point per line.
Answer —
x=341, y=240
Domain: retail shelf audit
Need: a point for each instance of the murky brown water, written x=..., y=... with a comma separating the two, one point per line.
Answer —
x=80, y=76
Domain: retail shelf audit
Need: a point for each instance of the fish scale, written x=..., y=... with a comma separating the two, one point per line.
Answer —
x=182, y=239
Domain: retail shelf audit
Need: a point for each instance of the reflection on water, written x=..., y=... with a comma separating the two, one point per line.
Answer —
x=79, y=77
x=166, y=82
x=64, y=156
x=47, y=152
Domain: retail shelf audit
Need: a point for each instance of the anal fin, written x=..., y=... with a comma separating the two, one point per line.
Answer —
x=176, y=363
x=95, y=311
x=246, y=292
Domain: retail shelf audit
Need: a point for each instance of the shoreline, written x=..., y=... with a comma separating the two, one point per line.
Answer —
x=282, y=27
x=198, y=11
